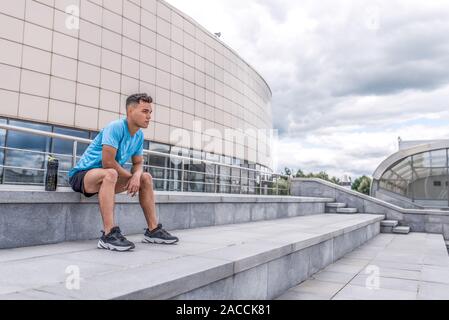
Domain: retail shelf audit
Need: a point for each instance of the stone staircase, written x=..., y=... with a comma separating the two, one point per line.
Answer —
x=234, y=261
x=392, y=226
x=386, y=226
x=223, y=252
x=339, y=207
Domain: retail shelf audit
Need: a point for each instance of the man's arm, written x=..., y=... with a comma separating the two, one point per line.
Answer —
x=133, y=185
x=137, y=168
x=108, y=161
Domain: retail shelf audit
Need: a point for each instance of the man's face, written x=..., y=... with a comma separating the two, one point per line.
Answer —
x=140, y=114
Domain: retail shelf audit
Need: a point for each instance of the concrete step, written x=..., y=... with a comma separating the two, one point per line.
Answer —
x=37, y=217
x=336, y=205
x=401, y=229
x=386, y=229
x=389, y=223
x=346, y=210
x=238, y=261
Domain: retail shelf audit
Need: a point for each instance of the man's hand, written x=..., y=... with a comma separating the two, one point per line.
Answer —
x=133, y=185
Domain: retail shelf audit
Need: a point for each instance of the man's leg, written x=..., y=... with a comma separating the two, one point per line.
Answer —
x=146, y=199
x=103, y=181
x=155, y=232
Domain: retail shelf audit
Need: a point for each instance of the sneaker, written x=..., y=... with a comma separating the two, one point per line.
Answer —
x=159, y=235
x=114, y=241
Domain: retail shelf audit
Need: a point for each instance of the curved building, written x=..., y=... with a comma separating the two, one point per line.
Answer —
x=67, y=66
x=415, y=176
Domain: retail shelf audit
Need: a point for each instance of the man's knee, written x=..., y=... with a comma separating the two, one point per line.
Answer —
x=110, y=175
x=146, y=179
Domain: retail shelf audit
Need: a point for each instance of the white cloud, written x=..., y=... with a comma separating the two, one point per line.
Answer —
x=347, y=77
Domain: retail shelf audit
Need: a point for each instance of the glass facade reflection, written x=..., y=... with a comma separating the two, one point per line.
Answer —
x=23, y=160
x=26, y=154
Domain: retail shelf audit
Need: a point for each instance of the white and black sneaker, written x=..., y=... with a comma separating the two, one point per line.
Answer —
x=159, y=235
x=115, y=241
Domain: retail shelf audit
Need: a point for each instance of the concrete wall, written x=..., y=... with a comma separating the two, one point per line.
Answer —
x=419, y=220
x=396, y=199
x=35, y=217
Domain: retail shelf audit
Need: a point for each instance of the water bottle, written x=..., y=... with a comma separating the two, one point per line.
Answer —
x=51, y=179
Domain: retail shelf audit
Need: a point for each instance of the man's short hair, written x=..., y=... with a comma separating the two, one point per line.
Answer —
x=137, y=98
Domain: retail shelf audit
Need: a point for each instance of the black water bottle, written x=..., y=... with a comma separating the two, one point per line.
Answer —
x=51, y=179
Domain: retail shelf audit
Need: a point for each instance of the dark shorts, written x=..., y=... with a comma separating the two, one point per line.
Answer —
x=77, y=183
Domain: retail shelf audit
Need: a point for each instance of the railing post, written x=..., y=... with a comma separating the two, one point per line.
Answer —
x=75, y=146
x=182, y=175
x=240, y=179
x=215, y=178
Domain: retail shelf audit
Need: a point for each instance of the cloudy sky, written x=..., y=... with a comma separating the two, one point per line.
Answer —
x=348, y=77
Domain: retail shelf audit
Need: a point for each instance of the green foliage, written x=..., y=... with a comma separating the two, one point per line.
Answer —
x=362, y=184
x=282, y=186
x=320, y=175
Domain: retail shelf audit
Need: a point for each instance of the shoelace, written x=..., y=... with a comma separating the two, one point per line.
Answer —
x=119, y=235
x=165, y=233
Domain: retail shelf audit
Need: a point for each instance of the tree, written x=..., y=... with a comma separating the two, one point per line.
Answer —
x=300, y=174
x=362, y=184
x=320, y=175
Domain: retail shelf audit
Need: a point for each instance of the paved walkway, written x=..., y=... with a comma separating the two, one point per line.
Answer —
x=390, y=267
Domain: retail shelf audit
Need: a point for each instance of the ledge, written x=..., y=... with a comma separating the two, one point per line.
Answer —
x=26, y=194
x=372, y=199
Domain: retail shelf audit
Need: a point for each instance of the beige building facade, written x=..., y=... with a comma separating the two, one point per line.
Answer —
x=72, y=63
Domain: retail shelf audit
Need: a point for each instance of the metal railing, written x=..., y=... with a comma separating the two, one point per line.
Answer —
x=177, y=173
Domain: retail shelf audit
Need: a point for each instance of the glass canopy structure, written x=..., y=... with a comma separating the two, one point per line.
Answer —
x=418, y=174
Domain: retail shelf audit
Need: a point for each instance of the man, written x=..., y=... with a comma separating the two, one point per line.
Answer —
x=100, y=171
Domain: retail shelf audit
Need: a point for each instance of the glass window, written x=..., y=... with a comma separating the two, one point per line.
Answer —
x=398, y=178
x=403, y=169
x=224, y=177
x=395, y=183
x=430, y=184
x=146, y=158
x=93, y=134
x=195, y=176
x=235, y=176
x=64, y=149
x=34, y=162
x=195, y=172
x=252, y=179
x=65, y=146
x=175, y=164
x=244, y=178
x=210, y=172
x=158, y=166
x=436, y=158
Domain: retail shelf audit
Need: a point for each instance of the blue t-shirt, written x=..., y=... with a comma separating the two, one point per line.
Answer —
x=115, y=134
